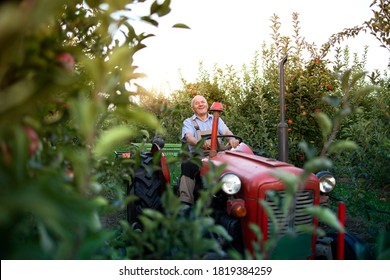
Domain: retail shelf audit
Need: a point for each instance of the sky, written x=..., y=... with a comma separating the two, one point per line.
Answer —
x=228, y=32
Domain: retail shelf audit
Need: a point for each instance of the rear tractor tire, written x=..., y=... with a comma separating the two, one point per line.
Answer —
x=147, y=187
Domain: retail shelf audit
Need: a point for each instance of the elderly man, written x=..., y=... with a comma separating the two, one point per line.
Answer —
x=193, y=129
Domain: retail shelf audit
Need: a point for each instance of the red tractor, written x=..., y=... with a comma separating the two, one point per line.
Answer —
x=246, y=180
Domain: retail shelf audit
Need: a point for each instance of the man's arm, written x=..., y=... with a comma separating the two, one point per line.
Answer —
x=190, y=139
x=188, y=132
x=227, y=132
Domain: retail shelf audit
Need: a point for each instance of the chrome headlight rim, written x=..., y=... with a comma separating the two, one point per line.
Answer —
x=327, y=181
x=231, y=183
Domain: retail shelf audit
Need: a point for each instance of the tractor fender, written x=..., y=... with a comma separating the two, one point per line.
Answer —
x=243, y=148
x=354, y=249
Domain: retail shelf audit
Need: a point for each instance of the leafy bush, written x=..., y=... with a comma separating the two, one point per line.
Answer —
x=62, y=78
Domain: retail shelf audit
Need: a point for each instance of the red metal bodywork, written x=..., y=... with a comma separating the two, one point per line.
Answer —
x=216, y=108
x=340, y=235
x=256, y=181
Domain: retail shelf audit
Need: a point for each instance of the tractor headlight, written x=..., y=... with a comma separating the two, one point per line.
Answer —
x=327, y=181
x=231, y=184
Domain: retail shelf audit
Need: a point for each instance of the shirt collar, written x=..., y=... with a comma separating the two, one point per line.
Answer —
x=194, y=117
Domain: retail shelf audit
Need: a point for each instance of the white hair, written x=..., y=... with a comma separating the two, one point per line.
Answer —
x=193, y=99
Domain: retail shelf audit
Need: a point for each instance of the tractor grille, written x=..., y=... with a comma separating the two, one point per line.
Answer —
x=296, y=216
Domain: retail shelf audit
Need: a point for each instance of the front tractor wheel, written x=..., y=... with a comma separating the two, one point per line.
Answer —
x=354, y=249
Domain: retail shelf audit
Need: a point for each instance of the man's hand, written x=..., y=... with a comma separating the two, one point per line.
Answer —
x=207, y=145
x=233, y=142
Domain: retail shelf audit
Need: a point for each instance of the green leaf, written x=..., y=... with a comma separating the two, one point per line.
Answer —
x=181, y=25
x=84, y=112
x=326, y=216
x=271, y=216
x=150, y=20
x=143, y=117
x=130, y=30
x=324, y=122
x=165, y=9
x=139, y=116
x=160, y=10
x=290, y=180
x=170, y=202
x=309, y=151
x=144, y=133
x=332, y=100
x=256, y=230
x=356, y=78
x=287, y=202
x=111, y=138
x=154, y=7
x=149, y=225
x=45, y=239
x=220, y=230
x=310, y=229
x=342, y=145
x=120, y=57
x=153, y=214
x=94, y=221
x=16, y=94
x=316, y=164
x=345, y=81
x=93, y=67
x=100, y=201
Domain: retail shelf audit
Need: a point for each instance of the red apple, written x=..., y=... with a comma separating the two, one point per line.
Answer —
x=7, y=158
x=34, y=140
x=66, y=60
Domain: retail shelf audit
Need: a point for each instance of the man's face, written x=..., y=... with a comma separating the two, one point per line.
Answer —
x=200, y=106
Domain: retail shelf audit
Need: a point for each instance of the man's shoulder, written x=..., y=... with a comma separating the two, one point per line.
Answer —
x=190, y=119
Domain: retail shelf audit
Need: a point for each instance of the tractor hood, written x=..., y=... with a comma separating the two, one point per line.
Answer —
x=253, y=170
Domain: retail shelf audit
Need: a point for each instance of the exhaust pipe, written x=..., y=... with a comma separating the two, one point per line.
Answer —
x=282, y=126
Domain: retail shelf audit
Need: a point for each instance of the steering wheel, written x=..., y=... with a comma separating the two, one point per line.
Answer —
x=227, y=146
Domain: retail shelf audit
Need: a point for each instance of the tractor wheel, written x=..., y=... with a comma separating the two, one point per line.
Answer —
x=146, y=187
x=353, y=247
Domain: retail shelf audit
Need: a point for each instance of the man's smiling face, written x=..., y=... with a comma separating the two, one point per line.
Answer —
x=200, y=106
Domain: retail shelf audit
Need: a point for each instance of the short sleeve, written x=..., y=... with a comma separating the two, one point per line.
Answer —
x=222, y=127
x=188, y=127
